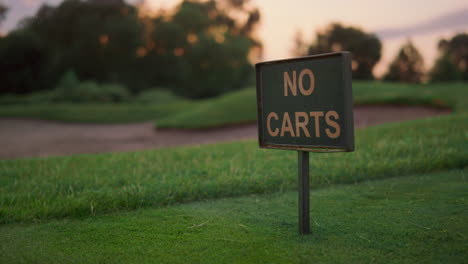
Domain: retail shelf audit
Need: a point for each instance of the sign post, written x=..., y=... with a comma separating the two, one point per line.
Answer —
x=304, y=187
x=305, y=104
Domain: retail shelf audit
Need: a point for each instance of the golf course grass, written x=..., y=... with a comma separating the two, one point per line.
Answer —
x=83, y=185
x=233, y=108
x=411, y=219
x=92, y=113
x=401, y=197
x=240, y=107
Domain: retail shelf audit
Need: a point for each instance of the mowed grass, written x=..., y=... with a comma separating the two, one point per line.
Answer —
x=240, y=107
x=79, y=186
x=412, y=219
x=93, y=113
x=453, y=95
x=230, y=109
x=404, y=202
x=233, y=108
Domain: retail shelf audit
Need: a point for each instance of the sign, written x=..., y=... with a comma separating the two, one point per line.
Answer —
x=306, y=103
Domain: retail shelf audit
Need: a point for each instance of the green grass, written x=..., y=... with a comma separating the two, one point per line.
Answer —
x=414, y=219
x=83, y=185
x=240, y=107
x=213, y=111
x=233, y=108
x=404, y=202
x=93, y=113
x=453, y=95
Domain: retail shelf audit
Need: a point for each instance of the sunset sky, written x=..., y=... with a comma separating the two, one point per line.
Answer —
x=395, y=21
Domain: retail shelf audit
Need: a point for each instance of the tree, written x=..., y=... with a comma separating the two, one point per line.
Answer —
x=452, y=64
x=22, y=60
x=364, y=47
x=201, y=50
x=299, y=45
x=444, y=70
x=407, y=65
x=95, y=38
x=3, y=11
x=198, y=49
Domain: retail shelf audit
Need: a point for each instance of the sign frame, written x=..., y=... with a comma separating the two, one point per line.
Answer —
x=347, y=116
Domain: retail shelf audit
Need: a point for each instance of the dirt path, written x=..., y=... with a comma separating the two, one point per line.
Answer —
x=23, y=138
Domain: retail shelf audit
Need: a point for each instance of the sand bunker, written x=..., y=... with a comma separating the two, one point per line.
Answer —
x=24, y=138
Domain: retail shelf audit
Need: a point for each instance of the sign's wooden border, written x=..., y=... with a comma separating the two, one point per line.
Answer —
x=347, y=79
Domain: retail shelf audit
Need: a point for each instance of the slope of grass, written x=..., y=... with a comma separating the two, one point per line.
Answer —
x=85, y=185
x=452, y=95
x=178, y=112
x=241, y=107
x=93, y=113
x=417, y=219
x=233, y=108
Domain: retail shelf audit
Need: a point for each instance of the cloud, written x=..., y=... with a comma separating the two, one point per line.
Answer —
x=453, y=20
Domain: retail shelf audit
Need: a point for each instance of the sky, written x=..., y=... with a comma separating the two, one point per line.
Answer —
x=424, y=22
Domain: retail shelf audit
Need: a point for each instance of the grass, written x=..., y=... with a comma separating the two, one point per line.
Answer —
x=78, y=186
x=414, y=219
x=233, y=108
x=443, y=95
x=404, y=202
x=240, y=107
x=92, y=113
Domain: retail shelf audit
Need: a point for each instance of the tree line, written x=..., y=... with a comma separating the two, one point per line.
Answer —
x=197, y=49
x=408, y=64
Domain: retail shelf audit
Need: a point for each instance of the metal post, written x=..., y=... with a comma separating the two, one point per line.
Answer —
x=304, y=221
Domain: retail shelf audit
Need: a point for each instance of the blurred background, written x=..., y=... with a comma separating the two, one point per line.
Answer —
x=190, y=64
x=110, y=50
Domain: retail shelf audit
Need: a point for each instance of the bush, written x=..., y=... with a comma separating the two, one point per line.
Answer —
x=156, y=96
x=10, y=99
x=40, y=97
x=70, y=89
x=34, y=98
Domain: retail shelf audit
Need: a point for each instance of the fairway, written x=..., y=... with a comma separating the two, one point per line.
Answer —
x=411, y=219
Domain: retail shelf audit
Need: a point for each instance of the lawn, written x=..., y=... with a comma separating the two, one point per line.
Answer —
x=399, y=198
x=233, y=108
x=93, y=113
x=77, y=186
x=411, y=219
x=240, y=107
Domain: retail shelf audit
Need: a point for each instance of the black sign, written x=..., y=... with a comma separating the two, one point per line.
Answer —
x=306, y=103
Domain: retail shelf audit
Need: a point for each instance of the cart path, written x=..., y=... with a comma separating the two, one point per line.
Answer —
x=24, y=138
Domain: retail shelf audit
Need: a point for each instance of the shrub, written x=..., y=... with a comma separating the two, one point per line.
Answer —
x=70, y=89
x=40, y=97
x=43, y=97
x=10, y=99
x=111, y=92
x=156, y=96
